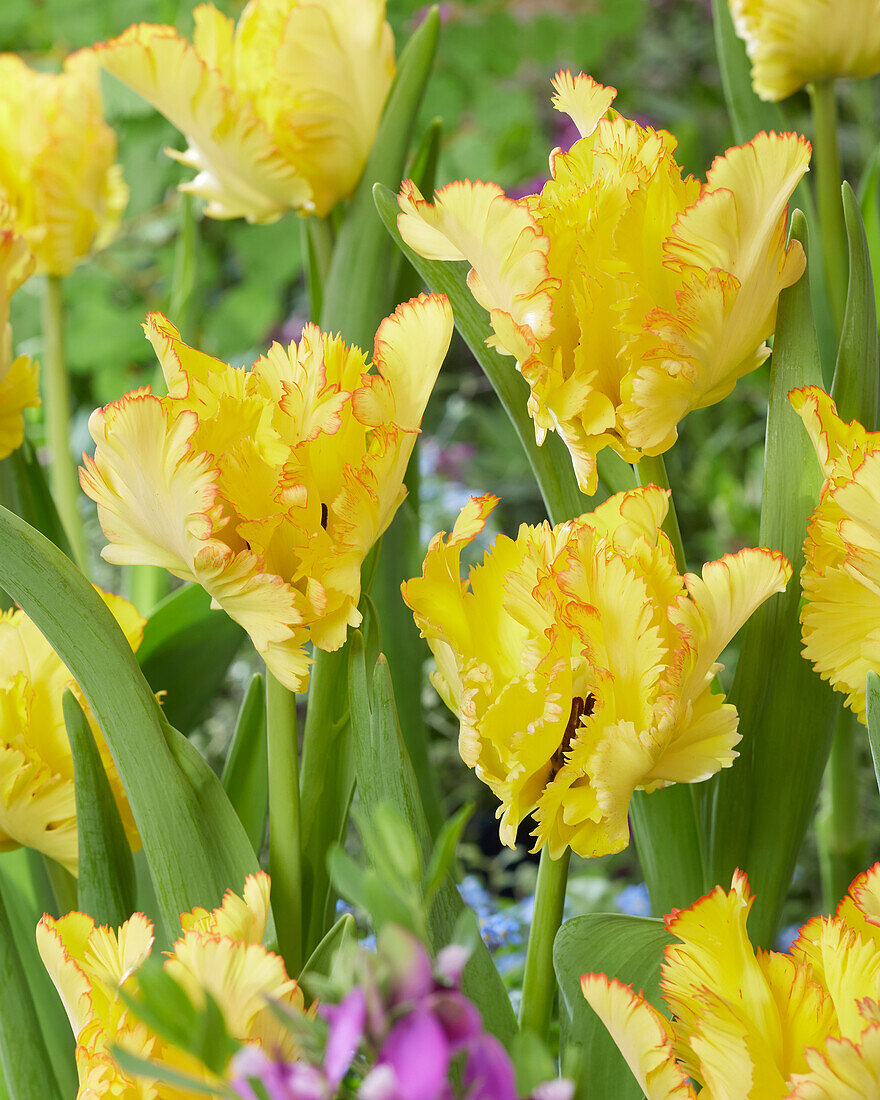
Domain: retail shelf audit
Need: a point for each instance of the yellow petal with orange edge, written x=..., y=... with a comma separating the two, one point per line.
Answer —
x=842, y=1070
x=730, y=247
x=240, y=977
x=37, y=807
x=796, y=42
x=87, y=962
x=583, y=99
x=241, y=172
x=643, y=1036
x=722, y=599
x=844, y=963
x=333, y=69
x=240, y=917
x=19, y=390
x=500, y=240
x=840, y=447
x=860, y=907
x=156, y=497
x=184, y=367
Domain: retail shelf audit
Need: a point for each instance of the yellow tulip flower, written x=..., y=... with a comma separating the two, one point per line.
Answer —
x=269, y=487
x=763, y=1025
x=19, y=375
x=280, y=111
x=580, y=663
x=627, y=295
x=841, y=573
x=37, y=801
x=219, y=952
x=58, y=170
x=796, y=42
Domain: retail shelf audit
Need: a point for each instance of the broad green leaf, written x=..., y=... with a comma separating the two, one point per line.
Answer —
x=673, y=877
x=24, y=1059
x=195, y=845
x=857, y=373
x=24, y=903
x=105, y=886
x=873, y=693
x=356, y=296
x=245, y=775
x=869, y=202
x=25, y=491
x=385, y=774
x=443, y=857
x=786, y=713
x=422, y=170
x=627, y=948
x=186, y=652
x=550, y=463
x=320, y=963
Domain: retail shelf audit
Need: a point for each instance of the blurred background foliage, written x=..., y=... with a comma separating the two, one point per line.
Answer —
x=491, y=88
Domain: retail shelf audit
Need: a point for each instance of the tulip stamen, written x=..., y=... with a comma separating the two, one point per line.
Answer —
x=580, y=708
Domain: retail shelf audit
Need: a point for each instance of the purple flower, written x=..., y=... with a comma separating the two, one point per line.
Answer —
x=280, y=1080
x=488, y=1073
x=347, y=1021
x=417, y=1051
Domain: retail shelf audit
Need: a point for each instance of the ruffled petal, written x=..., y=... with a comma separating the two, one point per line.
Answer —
x=643, y=1036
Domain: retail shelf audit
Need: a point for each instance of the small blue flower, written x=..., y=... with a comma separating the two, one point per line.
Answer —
x=634, y=900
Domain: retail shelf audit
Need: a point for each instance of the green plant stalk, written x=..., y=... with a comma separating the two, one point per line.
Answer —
x=826, y=163
x=326, y=780
x=57, y=397
x=64, y=887
x=285, y=847
x=674, y=876
x=842, y=848
x=317, y=237
x=539, y=981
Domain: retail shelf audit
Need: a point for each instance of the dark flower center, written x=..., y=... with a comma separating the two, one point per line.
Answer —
x=579, y=709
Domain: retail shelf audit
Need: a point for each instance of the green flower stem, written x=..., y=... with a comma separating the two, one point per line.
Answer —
x=325, y=784
x=317, y=237
x=539, y=982
x=674, y=877
x=840, y=841
x=285, y=859
x=826, y=162
x=64, y=887
x=56, y=394
x=651, y=470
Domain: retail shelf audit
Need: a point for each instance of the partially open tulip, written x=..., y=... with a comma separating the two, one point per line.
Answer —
x=841, y=574
x=37, y=800
x=219, y=952
x=796, y=42
x=804, y=1026
x=269, y=486
x=580, y=663
x=58, y=170
x=280, y=111
x=18, y=374
x=627, y=295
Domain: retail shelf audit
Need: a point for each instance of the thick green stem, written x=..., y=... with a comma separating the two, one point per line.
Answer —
x=539, y=982
x=285, y=847
x=651, y=470
x=64, y=886
x=318, y=248
x=326, y=784
x=838, y=833
x=57, y=399
x=826, y=164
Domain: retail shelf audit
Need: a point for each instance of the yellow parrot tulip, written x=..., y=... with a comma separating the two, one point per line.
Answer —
x=269, y=486
x=58, y=170
x=627, y=295
x=219, y=952
x=580, y=663
x=280, y=111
